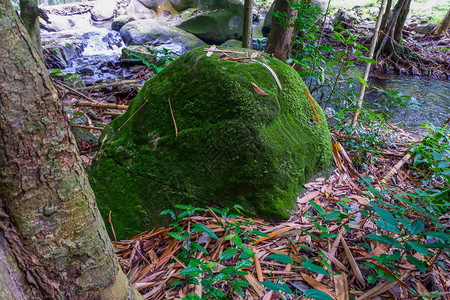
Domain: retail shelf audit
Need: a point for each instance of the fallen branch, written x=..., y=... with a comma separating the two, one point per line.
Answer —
x=113, y=113
x=395, y=168
x=102, y=105
x=86, y=127
x=90, y=88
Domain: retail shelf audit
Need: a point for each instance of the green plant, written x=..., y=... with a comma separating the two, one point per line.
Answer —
x=154, y=59
x=199, y=271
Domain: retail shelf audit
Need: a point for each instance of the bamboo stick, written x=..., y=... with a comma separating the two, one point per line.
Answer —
x=100, y=86
x=102, y=105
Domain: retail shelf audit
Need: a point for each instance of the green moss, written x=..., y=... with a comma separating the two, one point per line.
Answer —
x=234, y=146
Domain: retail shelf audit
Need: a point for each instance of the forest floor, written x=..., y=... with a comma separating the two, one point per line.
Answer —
x=327, y=245
x=332, y=242
x=422, y=54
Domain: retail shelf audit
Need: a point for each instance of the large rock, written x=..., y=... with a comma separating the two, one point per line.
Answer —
x=158, y=33
x=232, y=145
x=103, y=10
x=216, y=27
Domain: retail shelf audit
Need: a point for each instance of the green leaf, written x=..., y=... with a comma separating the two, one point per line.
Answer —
x=283, y=258
x=438, y=234
x=190, y=271
x=176, y=235
x=305, y=247
x=360, y=78
x=332, y=63
x=315, y=268
x=367, y=60
x=241, y=282
x=276, y=286
x=257, y=232
x=316, y=207
x=227, y=254
x=385, y=214
x=416, y=227
x=317, y=295
x=168, y=212
x=243, y=263
x=238, y=241
x=332, y=216
x=198, y=227
x=248, y=251
x=385, y=240
x=418, y=263
x=418, y=247
x=199, y=248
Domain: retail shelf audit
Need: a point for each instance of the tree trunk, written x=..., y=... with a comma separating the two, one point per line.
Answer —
x=392, y=27
x=29, y=13
x=53, y=242
x=247, y=41
x=443, y=26
x=279, y=42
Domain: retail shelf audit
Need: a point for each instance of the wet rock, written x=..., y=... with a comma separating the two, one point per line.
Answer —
x=424, y=29
x=216, y=27
x=103, y=10
x=86, y=71
x=138, y=10
x=120, y=21
x=158, y=33
x=343, y=16
x=57, y=23
x=233, y=146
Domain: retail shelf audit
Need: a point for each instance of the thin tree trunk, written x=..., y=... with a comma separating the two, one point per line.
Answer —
x=279, y=42
x=53, y=242
x=362, y=89
x=247, y=41
x=443, y=26
x=404, y=11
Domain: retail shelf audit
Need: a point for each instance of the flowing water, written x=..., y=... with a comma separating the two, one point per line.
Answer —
x=430, y=100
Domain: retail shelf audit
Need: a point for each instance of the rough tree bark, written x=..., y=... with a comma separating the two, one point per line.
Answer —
x=53, y=242
x=247, y=41
x=279, y=42
x=443, y=26
x=30, y=13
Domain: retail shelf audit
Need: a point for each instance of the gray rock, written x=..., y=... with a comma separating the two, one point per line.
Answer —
x=424, y=29
x=215, y=27
x=153, y=32
x=103, y=10
x=120, y=21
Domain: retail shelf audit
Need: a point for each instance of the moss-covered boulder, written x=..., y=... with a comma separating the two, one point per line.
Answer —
x=231, y=143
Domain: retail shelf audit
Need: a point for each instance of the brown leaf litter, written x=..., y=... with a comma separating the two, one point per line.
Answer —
x=151, y=263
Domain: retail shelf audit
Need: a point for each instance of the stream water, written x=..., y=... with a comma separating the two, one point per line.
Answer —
x=102, y=47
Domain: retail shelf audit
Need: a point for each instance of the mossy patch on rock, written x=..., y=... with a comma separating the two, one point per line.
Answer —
x=233, y=145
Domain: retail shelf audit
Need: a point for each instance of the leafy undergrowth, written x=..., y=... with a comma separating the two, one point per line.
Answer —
x=377, y=229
